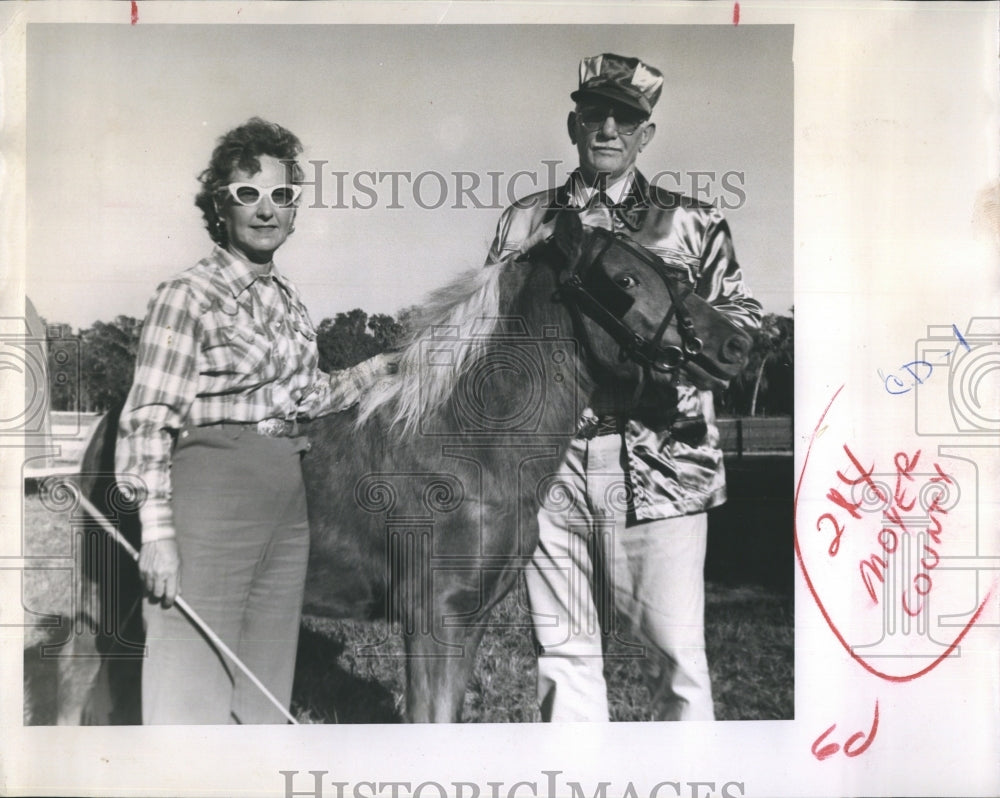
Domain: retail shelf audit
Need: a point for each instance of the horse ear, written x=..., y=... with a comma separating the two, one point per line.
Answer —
x=568, y=235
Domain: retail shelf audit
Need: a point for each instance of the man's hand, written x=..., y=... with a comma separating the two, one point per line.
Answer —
x=700, y=378
x=160, y=569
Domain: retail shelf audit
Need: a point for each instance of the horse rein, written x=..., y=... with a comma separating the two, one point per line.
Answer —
x=647, y=352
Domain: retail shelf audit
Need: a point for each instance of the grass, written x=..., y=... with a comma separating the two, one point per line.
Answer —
x=47, y=588
x=749, y=637
x=351, y=672
x=749, y=628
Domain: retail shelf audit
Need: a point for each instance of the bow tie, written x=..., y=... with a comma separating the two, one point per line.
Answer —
x=601, y=199
x=629, y=211
x=625, y=210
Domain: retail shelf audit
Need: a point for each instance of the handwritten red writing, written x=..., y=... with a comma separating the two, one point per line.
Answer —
x=922, y=582
x=839, y=500
x=895, y=524
x=873, y=569
x=856, y=744
x=836, y=520
x=888, y=538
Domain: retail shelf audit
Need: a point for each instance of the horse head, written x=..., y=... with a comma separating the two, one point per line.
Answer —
x=638, y=321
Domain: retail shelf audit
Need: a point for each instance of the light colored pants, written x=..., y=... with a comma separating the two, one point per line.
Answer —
x=587, y=565
x=240, y=517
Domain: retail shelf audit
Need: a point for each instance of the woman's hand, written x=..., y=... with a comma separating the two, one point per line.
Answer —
x=160, y=569
x=383, y=364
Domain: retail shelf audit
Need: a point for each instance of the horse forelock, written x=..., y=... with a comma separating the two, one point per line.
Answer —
x=451, y=330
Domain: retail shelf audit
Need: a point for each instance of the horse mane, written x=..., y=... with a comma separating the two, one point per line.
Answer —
x=456, y=320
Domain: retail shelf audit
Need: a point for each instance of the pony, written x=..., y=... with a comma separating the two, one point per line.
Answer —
x=449, y=462
x=423, y=497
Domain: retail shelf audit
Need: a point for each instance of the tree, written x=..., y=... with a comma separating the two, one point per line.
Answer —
x=93, y=369
x=344, y=340
x=107, y=361
x=766, y=384
x=775, y=344
x=386, y=331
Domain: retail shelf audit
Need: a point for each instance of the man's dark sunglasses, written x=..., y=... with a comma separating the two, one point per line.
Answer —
x=592, y=117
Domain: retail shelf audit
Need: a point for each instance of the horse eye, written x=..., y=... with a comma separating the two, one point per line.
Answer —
x=626, y=281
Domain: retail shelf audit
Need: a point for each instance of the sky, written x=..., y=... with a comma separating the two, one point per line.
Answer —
x=122, y=119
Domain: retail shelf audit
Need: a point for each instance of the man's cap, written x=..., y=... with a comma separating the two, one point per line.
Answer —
x=621, y=79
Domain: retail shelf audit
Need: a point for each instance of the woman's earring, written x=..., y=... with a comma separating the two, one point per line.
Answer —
x=219, y=228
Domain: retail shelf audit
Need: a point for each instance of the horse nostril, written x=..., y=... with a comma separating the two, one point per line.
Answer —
x=735, y=349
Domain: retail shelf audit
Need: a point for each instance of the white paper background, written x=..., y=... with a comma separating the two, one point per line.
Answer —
x=895, y=136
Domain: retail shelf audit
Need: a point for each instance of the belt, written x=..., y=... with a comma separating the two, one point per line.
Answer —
x=269, y=427
x=690, y=430
x=609, y=425
x=592, y=426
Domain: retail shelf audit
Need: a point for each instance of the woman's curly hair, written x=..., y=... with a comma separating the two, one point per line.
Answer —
x=241, y=148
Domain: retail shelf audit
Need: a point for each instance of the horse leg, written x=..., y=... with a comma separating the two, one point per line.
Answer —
x=438, y=668
x=78, y=658
x=78, y=671
x=441, y=654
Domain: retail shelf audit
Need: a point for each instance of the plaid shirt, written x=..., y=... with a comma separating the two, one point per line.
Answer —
x=668, y=477
x=220, y=343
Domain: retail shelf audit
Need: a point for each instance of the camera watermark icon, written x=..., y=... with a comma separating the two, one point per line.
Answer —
x=26, y=355
x=960, y=402
x=959, y=393
x=506, y=381
x=931, y=567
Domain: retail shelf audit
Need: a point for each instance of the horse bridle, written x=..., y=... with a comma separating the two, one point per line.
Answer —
x=575, y=290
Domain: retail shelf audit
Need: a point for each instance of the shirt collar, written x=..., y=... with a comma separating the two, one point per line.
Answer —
x=238, y=274
x=580, y=193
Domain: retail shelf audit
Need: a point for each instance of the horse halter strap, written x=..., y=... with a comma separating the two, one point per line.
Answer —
x=646, y=351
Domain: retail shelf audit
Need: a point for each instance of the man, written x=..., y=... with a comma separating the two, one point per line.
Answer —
x=640, y=488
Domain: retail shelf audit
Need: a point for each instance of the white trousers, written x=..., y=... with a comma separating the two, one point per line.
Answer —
x=589, y=564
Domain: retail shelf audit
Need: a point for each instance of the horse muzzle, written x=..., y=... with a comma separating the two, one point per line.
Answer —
x=715, y=369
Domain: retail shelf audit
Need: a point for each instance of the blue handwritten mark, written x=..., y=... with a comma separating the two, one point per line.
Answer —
x=896, y=386
x=917, y=371
x=961, y=340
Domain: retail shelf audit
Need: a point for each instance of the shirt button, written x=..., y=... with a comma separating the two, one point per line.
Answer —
x=185, y=433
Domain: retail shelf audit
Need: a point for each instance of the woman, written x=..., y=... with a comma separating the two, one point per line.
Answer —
x=227, y=363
